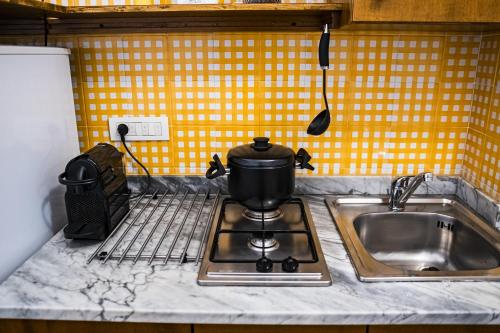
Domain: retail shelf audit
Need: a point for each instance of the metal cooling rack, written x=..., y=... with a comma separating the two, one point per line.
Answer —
x=161, y=228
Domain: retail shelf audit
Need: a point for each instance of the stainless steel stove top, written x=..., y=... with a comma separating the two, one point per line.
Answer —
x=279, y=248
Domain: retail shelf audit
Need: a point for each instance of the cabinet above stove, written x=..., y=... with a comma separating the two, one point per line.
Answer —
x=168, y=17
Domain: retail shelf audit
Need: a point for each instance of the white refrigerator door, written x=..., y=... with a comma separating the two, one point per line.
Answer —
x=38, y=136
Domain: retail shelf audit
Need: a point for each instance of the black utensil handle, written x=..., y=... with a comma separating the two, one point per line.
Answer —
x=303, y=158
x=324, y=44
x=324, y=91
x=216, y=168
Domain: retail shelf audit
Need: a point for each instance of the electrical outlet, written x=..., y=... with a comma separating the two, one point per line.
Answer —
x=140, y=128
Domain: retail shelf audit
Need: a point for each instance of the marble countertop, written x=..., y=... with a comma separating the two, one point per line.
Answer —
x=56, y=283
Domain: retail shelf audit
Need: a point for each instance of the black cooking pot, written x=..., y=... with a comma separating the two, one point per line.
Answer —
x=261, y=175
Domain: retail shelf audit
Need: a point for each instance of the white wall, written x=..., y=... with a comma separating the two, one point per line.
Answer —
x=38, y=136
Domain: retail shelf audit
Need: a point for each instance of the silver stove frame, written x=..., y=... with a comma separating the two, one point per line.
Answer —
x=244, y=274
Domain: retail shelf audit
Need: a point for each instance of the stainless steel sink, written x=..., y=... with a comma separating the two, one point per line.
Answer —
x=434, y=238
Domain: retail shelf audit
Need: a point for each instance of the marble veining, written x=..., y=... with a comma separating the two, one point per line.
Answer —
x=479, y=202
x=357, y=185
x=346, y=185
x=56, y=283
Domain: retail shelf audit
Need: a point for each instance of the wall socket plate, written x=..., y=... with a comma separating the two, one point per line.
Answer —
x=140, y=128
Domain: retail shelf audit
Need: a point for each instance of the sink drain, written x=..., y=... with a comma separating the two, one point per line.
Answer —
x=430, y=269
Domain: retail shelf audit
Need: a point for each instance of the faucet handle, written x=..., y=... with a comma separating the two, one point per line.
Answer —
x=404, y=180
x=427, y=176
x=400, y=182
x=403, y=187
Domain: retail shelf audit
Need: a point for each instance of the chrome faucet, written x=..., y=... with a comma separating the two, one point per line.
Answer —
x=403, y=187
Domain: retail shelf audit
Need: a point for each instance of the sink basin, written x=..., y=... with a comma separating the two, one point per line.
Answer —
x=434, y=238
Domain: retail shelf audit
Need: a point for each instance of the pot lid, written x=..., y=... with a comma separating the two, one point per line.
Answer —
x=261, y=153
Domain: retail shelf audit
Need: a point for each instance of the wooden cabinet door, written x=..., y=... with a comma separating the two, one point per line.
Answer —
x=434, y=329
x=425, y=11
x=63, y=326
x=277, y=329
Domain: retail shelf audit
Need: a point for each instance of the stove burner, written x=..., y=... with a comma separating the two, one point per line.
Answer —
x=268, y=242
x=268, y=216
x=280, y=250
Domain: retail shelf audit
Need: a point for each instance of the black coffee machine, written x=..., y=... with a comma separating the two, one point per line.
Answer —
x=97, y=194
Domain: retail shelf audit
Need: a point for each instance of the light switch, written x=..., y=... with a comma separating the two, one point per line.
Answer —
x=145, y=129
x=132, y=129
x=155, y=129
x=140, y=128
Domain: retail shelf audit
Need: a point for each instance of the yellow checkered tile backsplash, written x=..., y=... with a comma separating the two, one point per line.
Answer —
x=401, y=103
x=482, y=153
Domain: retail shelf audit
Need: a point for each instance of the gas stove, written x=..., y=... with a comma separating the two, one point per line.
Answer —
x=272, y=248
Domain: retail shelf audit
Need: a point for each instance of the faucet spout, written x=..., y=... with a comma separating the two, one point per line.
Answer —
x=403, y=187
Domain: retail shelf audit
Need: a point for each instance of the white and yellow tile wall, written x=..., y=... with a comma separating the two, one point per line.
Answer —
x=482, y=153
x=220, y=89
x=401, y=102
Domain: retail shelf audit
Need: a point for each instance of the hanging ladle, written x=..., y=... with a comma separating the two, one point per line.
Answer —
x=321, y=122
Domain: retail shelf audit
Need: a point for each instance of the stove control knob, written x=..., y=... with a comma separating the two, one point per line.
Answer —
x=290, y=265
x=264, y=265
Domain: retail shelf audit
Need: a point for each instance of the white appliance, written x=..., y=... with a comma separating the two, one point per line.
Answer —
x=38, y=136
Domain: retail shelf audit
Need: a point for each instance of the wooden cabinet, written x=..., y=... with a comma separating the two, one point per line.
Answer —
x=425, y=11
x=439, y=14
x=346, y=329
x=56, y=19
x=350, y=14
x=64, y=326
x=434, y=329
x=277, y=329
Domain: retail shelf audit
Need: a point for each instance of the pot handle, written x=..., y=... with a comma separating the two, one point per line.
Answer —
x=216, y=168
x=303, y=158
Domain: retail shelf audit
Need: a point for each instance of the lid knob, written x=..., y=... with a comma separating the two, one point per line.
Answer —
x=261, y=143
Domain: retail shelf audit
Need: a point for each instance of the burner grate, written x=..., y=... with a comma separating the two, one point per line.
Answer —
x=230, y=258
x=260, y=234
x=162, y=227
